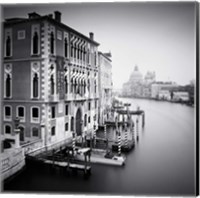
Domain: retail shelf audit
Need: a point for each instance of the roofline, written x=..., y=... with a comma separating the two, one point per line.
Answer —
x=99, y=52
x=46, y=17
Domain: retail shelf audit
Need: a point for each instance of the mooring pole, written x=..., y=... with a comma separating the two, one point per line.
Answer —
x=143, y=119
x=119, y=143
x=137, y=129
x=73, y=142
x=126, y=136
x=105, y=132
x=133, y=132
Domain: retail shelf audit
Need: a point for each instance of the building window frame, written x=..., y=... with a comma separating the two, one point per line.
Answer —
x=7, y=125
x=53, y=112
x=32, y=131
x=66, y=109
x=66, y=45
x=66, y=126
x=8, y=33
x=52, y=79
x=72, y=123
x=7, y=73
x=53, y=131
x=35, y=119
x=22, y=119
x=35, y=75
x=6, y=117
x=21, y=34
x=35, y=30
x=52, y=40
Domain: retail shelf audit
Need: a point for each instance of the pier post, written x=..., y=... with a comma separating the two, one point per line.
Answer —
x=126, y=136
x=137, y=129
x=73, y=142
x=133, y=133
x=143, y=119
x=119, y=143
x=94, y=136
x=105, y=132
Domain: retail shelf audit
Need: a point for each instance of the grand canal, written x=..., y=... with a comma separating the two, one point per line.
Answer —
x=162, y=163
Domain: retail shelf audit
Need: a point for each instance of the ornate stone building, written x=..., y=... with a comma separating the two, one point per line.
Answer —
x=50, y=79
x=105, y=86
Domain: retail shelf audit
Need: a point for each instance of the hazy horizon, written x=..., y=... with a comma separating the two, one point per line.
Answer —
x=157, y=36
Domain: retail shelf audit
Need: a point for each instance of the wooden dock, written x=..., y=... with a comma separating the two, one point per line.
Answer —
x=124, y=148
x=63, y=159
x=73, y=166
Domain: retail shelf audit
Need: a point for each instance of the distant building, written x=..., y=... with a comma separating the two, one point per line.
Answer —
x=137, y=86
x=149, y=78
x=180, y=96
x=134, y=86
x=105, y=86
x=162, y=90
x=50, y=74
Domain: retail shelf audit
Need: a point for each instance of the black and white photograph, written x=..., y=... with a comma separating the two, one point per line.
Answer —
x=99, y=98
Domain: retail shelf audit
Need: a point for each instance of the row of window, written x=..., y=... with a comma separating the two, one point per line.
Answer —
x=77, y=86
x=78, y=47
x=35, y=112
x=34, y=131
x=20, y=112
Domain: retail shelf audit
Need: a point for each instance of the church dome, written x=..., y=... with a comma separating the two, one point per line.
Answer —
x=136, y=75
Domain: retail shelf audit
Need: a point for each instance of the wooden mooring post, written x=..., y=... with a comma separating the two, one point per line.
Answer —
x=143, y=119
x=137, y=129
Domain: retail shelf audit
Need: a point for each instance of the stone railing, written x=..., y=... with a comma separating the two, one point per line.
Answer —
x=55, y=146
x=31, y=146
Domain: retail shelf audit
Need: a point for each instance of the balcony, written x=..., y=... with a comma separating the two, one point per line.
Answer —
x=74, y=97
x=54, y=98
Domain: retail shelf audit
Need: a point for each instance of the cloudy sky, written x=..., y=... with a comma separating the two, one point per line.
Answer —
x=156, y=36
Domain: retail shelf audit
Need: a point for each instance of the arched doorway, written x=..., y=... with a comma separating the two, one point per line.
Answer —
x=78, y=122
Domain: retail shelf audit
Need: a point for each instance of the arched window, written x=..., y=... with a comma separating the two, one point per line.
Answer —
x=8, y=85
x=84, y=54
x=78, y=51
x=71, y=85
x=35, y=43
x=35, y=85
x=88, y=85
x=66, y=47
x=52, y=43
x=8, y=129
x=21, y=113
x=71, y=49
x=88, y=56
x=66, y=126
x=52, y=84
x=72, y=123
x=75, y=51
x=53, y=130
x=7, y=113
x=35, y=132
x=66, y=85
x=95, y=86
x=85, y=120
x=8, y=46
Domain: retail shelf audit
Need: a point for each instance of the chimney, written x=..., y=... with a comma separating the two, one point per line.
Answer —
x=91, y=35
x=57, y=15
x=33, y=15
x=50, y=16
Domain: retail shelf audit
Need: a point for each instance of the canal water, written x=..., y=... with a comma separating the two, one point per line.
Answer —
x=162, y=163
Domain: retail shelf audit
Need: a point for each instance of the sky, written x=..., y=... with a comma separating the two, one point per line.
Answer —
x=157, y=36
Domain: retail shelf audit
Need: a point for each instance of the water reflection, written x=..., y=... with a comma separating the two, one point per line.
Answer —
x=161, y=163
